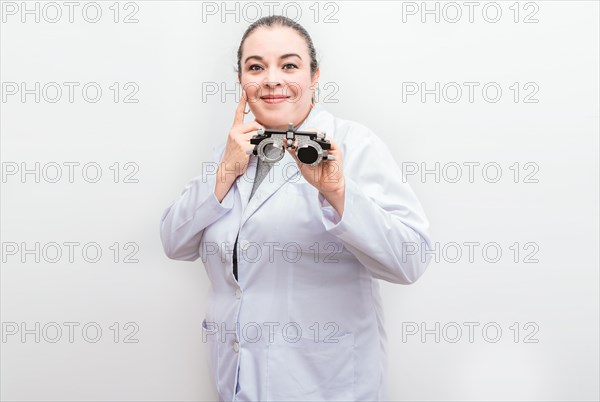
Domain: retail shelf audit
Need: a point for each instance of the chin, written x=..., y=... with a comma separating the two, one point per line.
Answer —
x=273, y=120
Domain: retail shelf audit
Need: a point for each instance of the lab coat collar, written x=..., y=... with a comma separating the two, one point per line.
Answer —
x=281, y=172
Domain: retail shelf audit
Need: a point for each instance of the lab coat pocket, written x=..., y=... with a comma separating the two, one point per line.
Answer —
x=311, y=369
x=212, y=346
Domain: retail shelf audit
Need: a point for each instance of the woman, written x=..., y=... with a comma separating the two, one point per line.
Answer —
x=294, y=313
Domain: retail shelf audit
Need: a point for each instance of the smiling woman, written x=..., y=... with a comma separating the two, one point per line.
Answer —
x=295, y=313
x=278, y=69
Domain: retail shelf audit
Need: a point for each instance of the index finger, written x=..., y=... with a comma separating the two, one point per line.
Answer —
x=239, y=112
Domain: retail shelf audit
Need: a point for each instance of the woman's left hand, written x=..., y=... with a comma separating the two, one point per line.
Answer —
x=327, y=176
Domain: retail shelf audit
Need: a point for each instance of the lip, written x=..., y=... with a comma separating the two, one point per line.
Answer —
x=274, y=99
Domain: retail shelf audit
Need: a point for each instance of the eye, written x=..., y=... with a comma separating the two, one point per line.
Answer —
x=251, y=68
x=290, y=64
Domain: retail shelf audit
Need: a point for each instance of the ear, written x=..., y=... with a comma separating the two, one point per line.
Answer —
x=316, y=76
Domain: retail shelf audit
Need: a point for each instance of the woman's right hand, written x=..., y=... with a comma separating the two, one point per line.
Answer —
x=235, y=159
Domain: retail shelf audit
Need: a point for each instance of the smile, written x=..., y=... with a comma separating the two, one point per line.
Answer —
x=274, y=99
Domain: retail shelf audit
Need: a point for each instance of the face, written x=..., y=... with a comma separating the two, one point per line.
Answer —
x=275, y=72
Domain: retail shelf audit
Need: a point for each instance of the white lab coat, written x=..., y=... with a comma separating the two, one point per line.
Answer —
x=305, y=320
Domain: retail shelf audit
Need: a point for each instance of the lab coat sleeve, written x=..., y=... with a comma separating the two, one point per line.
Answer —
x=383, y=224
x=183, y=222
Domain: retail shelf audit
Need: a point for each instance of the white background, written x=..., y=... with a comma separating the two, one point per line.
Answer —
x=173, y=54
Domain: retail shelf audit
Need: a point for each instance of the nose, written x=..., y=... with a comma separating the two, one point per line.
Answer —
x=271, y=84
x=269, y=88
x=272, y=79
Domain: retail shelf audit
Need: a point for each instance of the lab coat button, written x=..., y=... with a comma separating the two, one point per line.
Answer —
x=236, y=346
x=238, y=293
x=244, y=244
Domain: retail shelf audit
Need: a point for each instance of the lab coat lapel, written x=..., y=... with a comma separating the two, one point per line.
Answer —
x=281, y=172
x=245, y=181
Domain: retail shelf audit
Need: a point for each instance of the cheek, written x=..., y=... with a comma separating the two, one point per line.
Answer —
x=298, y=91
x=252, y=90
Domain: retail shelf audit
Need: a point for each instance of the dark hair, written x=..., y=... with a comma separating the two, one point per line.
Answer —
x=279, y=20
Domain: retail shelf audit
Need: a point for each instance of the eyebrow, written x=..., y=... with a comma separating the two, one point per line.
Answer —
x=285, y=56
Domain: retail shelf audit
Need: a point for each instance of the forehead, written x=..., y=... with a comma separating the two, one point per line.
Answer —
x=274, y=41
